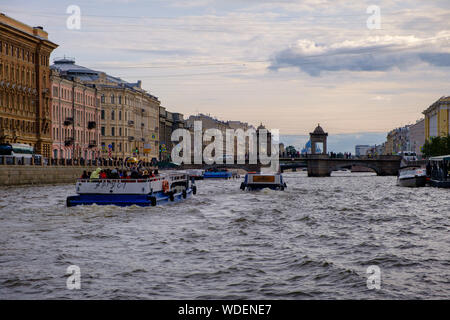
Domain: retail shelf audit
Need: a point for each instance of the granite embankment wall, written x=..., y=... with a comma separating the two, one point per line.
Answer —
x=11, y=175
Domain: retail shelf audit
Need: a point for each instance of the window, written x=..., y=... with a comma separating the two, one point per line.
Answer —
x=120, y=115
x=103, y=114
x=103, y=131
x=120, y=99
x=112, y=98
x=112, y=115
x=113, y=131
x=120, y=131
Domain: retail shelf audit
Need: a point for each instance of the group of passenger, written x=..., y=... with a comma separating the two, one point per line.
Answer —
x=439, y=170
x=133, y=173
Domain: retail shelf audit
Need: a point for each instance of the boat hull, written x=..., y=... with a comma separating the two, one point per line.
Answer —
x=124, y=200
x=217, y=175
x=412, y=182
x=439, y=183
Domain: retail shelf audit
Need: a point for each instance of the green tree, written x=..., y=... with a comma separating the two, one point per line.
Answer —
x=436, y=146
x=290, y=150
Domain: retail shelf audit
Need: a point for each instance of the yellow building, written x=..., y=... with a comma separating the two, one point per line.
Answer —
x=437, y=118
x=25, y=101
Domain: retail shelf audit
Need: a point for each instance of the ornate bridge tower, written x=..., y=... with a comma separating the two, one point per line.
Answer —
x=317, y=136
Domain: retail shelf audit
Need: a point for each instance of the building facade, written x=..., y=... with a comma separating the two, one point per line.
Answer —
x=417, y=136
x=437, y=118
x=168, y=122
x=75, y=119
x=25, y=99
x=129, y=115
x=398, y=140
x=362, y=149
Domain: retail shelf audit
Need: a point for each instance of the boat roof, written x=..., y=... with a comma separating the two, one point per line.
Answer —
x=441, y=158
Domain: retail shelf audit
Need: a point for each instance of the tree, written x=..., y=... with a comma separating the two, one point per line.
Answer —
x=436, y=146
x=290, y=150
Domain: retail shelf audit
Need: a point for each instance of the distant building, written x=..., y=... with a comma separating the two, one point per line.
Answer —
x=362, y=149
x=417, y=136
x=398, y=140
x=168, y=122
x=25, y=100
x=75, y=119
x=437, y=118
x=129, y=115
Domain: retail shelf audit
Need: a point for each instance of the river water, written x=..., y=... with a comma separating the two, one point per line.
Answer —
x=313, y=241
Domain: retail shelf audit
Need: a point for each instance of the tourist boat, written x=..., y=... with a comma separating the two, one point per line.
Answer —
x=412, y=177
x=196, y=174
x=218, y=174
x=437, y=171
x=164, y=188
x=257, y=181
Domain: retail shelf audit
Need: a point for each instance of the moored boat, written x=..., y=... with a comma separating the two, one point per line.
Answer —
x=196, y=174
x=161, y=189
x=257, y=181
x=412, y=177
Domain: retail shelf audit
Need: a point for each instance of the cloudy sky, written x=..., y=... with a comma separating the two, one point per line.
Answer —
x=288, y=64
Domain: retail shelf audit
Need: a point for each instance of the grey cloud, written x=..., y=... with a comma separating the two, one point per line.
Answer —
x=315, y=59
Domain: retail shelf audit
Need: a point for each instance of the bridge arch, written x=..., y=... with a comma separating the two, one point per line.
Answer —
x=350, y=164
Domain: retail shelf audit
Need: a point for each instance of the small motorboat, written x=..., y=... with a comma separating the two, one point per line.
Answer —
x=257, y=181
x=217, y=174
x=164, y=188
x=412, y=177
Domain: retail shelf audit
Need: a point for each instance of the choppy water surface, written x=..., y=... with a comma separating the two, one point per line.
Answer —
x=313, y=241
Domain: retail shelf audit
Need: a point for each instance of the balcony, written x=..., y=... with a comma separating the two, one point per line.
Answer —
x=68, y=121
x=130, y=122
x=68, y=142
x=130, y=138
x=92, y=125
x=92, y=144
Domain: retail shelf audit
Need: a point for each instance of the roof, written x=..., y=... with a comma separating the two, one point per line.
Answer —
x=67, y=66
x=441, y=158
x=318, y=130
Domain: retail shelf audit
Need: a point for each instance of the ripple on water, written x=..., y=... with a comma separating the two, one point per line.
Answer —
x=312, y=241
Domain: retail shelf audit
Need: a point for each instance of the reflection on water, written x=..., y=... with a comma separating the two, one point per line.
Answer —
x=313, y=241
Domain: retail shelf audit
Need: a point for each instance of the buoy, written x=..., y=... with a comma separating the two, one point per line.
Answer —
x=165, y=186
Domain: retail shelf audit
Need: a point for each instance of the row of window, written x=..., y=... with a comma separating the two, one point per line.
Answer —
x=80, y=135
x=20, y=125
x=118, y=99
x=17, y=102
x=22, y=54
x=66, y=112
x=18, y=74
x=113, y=131
x=66, y=94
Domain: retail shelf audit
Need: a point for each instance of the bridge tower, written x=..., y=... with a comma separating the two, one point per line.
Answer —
x=318, y=135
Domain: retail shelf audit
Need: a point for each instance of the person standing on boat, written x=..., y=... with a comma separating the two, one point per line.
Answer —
x=96, y=174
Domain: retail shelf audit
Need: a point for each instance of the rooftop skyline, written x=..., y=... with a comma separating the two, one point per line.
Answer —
x=287, y=64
